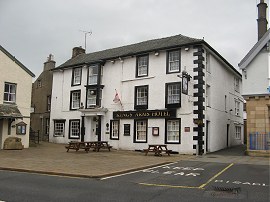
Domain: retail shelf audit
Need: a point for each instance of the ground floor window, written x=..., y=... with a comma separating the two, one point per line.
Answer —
x=59, y=128
x=114, y=131
x=173, y=130
x=21, y=128
x=238, y=132
x=140, y=131
x=74, y=129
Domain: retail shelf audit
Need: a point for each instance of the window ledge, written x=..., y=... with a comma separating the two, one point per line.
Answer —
x=139, y=78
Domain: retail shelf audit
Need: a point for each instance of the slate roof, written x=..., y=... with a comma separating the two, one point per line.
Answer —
x=133, y=49
x=17, y=61
x=9, y=111
x=139, y=48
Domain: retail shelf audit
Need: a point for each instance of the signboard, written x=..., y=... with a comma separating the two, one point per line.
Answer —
x=145, y=114
x=126, y=129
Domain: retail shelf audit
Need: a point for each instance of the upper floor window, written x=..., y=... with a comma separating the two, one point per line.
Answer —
x=237, y=107
x=75, y=99
x=114, y=130
x=91, y=98
x=39, y=84
x=142, y=66
x=48, y=103
x=237, y=84
x=10, y=93
x=173, y=128
x=173, y=61
x=141, y=97
x=93, y=75
x=76, y=76
x=173, y=95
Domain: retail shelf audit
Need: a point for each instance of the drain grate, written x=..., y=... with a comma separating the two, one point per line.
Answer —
x=234, y=190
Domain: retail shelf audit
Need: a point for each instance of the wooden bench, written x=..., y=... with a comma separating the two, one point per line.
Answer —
x=97, y=145
x=76, y=146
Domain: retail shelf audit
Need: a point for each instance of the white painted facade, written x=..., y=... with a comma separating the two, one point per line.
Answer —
x=120, y=74
x=12, y=71
x=256, y=68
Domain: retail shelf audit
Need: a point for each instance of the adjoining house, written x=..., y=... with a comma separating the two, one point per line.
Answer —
x=41, y=100
x=176, y=90
x=256, y=88
x=15, y=98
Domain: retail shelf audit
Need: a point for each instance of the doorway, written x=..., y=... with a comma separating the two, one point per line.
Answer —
x=228, y=128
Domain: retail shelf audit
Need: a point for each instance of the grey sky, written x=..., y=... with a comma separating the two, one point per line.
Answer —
x=32, y=29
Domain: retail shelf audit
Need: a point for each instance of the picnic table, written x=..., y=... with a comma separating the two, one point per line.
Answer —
x=158, y=149
x=96, y=145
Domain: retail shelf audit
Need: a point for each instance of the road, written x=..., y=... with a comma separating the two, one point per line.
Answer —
x=179, y=181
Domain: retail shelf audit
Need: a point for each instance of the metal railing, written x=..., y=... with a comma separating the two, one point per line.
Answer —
x=259, y=141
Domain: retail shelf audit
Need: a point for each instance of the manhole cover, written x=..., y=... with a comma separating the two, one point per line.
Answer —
x=224, y=192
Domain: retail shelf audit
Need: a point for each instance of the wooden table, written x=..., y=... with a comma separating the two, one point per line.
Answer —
x=97, y=145
x=76, y=146
x=158, y=149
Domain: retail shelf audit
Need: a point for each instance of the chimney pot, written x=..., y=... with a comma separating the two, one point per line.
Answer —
x=49, y=64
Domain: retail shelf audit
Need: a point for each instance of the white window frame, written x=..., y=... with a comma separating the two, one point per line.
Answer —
x=142, y=95
x=237, y=84
x=174, y=61
x=238, y=130
x=10, y=92
x=173, y=130
x=59, y=128
x=237, y=107
x=141, y=130
x=77, y=73
x=142, y=66
x=74, y=129
x=174, y=93
x=114, y=129
x=75, y=99
x=93, y=75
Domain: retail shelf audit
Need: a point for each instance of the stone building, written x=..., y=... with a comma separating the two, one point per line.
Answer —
x=15, y=99
x=175, y=90
x=41, y=100
x=256, y=88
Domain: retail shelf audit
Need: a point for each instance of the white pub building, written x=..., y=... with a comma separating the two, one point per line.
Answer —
x=176, y=90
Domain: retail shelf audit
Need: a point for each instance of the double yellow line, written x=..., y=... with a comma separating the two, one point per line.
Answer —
x=190, y=187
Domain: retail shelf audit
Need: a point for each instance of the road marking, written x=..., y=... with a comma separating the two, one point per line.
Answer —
x=203, y=185
x=113, y=176
x=170, y=186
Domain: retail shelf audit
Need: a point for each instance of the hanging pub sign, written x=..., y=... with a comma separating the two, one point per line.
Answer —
x=171, y=113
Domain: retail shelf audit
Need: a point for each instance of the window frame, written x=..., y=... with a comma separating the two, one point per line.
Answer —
x=237, y=104
x=49, y=103
x=166, y=131
x=21, y=128
x=112, y=136
x=91, y=75
x=74, y=78
x=71, y=107
x=237, y=134
x=172, y=105
x=70, y=135
x=168, y=71
x=97, y=97
x=137, y=66
x=9, y=92
x=136, y=105
x=62, y=122
x=135, y=139
x=237, y=84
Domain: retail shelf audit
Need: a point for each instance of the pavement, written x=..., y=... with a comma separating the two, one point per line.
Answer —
x=52, y=159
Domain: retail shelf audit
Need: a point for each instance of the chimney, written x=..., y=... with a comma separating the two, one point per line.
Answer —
x=49, y=64
x=262, y=21
x=77, y=51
